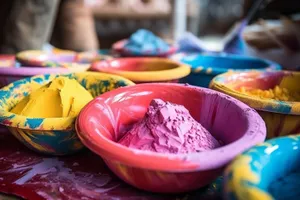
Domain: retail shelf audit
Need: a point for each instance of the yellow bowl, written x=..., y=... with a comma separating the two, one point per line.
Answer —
x=281, y=117
x=144, y=69
x=54, y=136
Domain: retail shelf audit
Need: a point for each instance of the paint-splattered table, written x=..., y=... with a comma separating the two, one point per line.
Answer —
x=82, y=176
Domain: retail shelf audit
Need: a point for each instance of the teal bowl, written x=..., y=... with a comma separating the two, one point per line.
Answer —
x=204, y=67
x=267, y=171
x=53, y=136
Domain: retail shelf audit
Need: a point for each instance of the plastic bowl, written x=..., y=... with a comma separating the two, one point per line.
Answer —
x=268, y=171
x=281, y=117
x=206, y=67
x=12, y=74
x=55, y=136
x=10, y=70
x=61, y=58
x=141, y=70
x=103, y=121
x=118, y=47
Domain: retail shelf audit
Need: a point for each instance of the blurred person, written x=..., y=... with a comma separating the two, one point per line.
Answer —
x=29, y=25
x=274, y=8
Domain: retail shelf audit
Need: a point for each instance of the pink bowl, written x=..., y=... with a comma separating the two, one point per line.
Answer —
x=105, y=119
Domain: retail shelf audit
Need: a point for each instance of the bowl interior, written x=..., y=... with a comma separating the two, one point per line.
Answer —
x=136, y=64
x=207, y=108
x=262, y=80
x=107, y=118
x=224, y=63
x=95, y=83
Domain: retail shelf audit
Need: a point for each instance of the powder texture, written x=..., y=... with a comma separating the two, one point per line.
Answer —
x=62, y=97
x=144, y=41
x=168, y=128
x=276, y=93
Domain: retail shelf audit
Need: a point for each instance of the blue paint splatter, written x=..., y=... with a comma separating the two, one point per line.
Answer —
x=33, y=122
x=70, y=75
x=84, y=83
x=39, y=80
x=4, y=93
x=120, y=84
x=20, y=82
x=282, y=108
x=3, y=118
x=47, y=76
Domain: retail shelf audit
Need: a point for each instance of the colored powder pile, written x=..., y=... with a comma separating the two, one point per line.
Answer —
x=277, y=93
x=169, y=128
x=62, y=97
x=144, y=41
x=286, y=187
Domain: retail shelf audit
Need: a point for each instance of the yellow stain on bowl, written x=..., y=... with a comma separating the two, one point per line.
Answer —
x=198, y=69
x=124, y=172
x=62, y=97
x=209, y=70
x=242, y=175
x=26, y=136
x=276, y=93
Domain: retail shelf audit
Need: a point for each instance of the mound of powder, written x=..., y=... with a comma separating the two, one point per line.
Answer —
x=62, y=97
x=144, y=41
x=168, y=128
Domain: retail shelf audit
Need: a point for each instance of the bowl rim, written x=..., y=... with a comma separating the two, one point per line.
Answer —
x=23, y=58
x=61, y=123
x=269, y=105
x=218, y=70
x=117, y=47
x=180, y=71
x=255, y=133
x=233, y=184
x=32, y=71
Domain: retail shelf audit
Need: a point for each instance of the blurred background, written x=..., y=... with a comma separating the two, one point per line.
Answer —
x=92, y=24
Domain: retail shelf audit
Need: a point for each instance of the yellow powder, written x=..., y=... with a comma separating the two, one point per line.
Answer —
x=277, y=93
x=63, y=97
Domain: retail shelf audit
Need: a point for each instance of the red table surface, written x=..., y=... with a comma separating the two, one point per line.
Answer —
x=82, y=176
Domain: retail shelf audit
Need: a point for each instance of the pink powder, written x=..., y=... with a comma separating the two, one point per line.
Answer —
x=169, y=128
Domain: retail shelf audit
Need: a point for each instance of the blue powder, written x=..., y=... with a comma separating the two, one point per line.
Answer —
x=144, y=42
x=286, y=188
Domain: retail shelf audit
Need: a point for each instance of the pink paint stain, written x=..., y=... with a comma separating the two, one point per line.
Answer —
x=83, y=176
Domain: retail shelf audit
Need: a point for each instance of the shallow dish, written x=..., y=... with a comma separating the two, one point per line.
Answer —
x=55, y=136
x=281, y=117
x=103, y=122
x=118, y=47
x=141, y=70
x=12, y=74
x=268, y=171
x=61, y=58
x=206, y=66
x=11, y=71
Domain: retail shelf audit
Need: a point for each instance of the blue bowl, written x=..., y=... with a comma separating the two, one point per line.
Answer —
x=206, y=66
x=268, y=171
